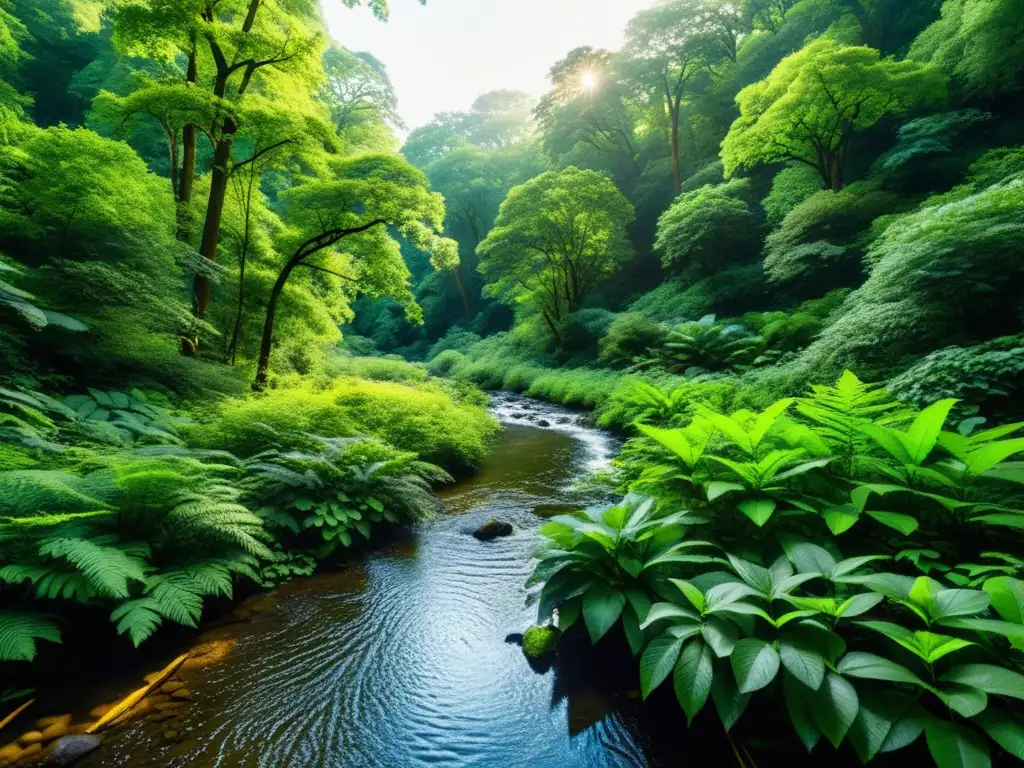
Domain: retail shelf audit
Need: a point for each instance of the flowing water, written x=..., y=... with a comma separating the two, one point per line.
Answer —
x=403, y=658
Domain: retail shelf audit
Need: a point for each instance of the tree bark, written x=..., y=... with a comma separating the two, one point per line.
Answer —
x=266, y=344
x=186, y=180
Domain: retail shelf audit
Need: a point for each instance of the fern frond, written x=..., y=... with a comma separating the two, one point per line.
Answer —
x=107, y=568
x=19, y=632
x=139, y=618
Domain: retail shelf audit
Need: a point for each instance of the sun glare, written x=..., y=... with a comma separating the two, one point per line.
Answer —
x=588, y=80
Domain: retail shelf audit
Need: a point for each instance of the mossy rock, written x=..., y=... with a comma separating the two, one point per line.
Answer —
x=540, y=641
x=492, y=529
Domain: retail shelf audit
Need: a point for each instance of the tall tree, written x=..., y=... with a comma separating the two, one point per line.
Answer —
x=670, y=45
x=353, y=211
x=557, y=238
x=811, y=105
x=358, y=91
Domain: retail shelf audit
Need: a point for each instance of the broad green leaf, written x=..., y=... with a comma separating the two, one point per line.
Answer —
x=802, y=661
x=1004, y=520
x=1004, y=628
x=799, y=704
x=721, y=635
x=840, y=519
x=1007, y=597
x=691, y=593
x=985, y=458
x=958, y=602
x=631, y=626
x=962, y=699
x=662, y=611
x=729, y=701
x=858, y=604
x=872, y=667
x=834, y=707
x=657, y=662
x=860, y=495
x=891, y=440
x=755, y=664
x=722, y=595
x=905, y=524
x=758, y=510
x=875, y=718
x=906, y=730
x=673, y=439
x=717, y=489
x=955, y=746
x=809, y=558
x=692, y=677
x=767, y=418
x=602, y=607
x=924, y=432
x=756, y=576
x=1004, y=729
x=988, y=678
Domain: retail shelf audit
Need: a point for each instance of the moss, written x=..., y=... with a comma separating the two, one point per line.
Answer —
x=540, y=641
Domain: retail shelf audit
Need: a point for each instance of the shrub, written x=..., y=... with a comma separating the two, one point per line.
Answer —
x=726, y=292
x=790, y=187
x=458, y=339
x=581, y=331
x=702, y=346
x=630, y=335
x=724, y=570
x=378, y=369
x=360, y=346
x=989, y=376
x=446, y=363
x=708, y=228
x=420, y=419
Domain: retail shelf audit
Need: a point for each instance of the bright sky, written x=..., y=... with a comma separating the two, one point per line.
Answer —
x=442, y=56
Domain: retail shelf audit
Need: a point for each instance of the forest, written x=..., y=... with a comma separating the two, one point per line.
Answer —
x=249, y=322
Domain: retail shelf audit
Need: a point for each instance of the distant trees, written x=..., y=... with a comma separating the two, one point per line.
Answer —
x=557, y=238
x=814, y=101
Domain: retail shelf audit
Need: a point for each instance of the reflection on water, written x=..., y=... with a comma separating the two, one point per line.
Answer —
x=401, y=659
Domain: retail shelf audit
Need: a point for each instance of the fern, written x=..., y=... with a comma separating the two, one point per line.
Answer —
x=107, y=568
x=19, y=631
x=32, y=492
x=139, y=618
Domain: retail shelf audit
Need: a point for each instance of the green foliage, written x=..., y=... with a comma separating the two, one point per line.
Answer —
x=790, y=187
x=702, y=346
x=19, y=632
x=705, y=227
x=978, y=43
x=421, y=419
x=986, y=375
x=814, y=101
x=581, y=332
x=539, y=641
x=630, y=335
x=343, y=486
x=557, y=238
x=729, y=577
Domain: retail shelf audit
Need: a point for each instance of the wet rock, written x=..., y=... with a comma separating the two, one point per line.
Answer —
x=543, y=423
x=56, y=730
x=563, y=420
x=492, y=529
x=45, y=722
x=552, y=510
x=101, y=710
x=31, y=751
x=539, y=641
x=67, y=749
x=159, y=699
x=31, y=737
x=171, y=686
x=10, y=752
x=182, y=693
x=170, y=735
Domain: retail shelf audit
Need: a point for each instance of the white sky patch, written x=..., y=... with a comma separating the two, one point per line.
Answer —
x=442, y=56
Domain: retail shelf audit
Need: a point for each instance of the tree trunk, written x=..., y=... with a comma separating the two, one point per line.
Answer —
x=186, y=180
x=232, y=348
x=462, y=291
x=266, y=344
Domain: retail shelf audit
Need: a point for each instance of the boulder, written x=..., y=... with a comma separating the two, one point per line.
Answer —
x=539, y=641
x=67, y=749
x=543, y=423
x=492, y=529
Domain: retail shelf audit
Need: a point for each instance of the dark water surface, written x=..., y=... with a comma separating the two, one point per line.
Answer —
x=402, y=659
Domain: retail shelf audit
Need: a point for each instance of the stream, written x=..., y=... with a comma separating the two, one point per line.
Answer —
x=402, y=658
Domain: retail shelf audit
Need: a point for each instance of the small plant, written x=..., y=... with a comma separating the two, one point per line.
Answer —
x=703, y=346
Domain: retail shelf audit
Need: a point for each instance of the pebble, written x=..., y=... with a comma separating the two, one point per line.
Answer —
x=46, y=722
x=31, y=737
x=171, y=686
x=182, y=693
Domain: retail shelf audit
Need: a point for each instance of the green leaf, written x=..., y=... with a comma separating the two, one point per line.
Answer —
x=662, y=611
x=924, y=432
x=802, y=661
x=657, y=662
x=872, y=667
x=631, y=626
x=962, y=699
x=799, y=704
x=988, y=678
x=717, y=489
x=835, y=707
x=840, y=519
x=985, y=458
x=958, y=602
x=1007, y=597
x=755, y=664
x=602, y=607
x=730, y=703
x=694, y=595
x=906, y=730
x=859, y=604
x=756, y=576
x=1004, y=628
x=1004, y=729
x=692, y=677
x=905, y=524
x=955, y=746
x=875, y=718
x=721, y=635
x=809, y=558
x=758, y=510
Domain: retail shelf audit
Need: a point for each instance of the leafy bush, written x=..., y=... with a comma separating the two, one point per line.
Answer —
x=727, y=574
x=343, y=486
x=708, y=228
x=120, y=419
x=378, y=369
x=728, y=291
x=989, y=375
x=790, y=187
x=701, y=346
x=665, y=401
x=422, y=419
x=446, y=363
x=631, y=335
x=581, y=331
x=458, y=339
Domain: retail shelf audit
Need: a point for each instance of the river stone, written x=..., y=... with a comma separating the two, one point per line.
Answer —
x=492, y=529
x=67, y=749
x=543, y=423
